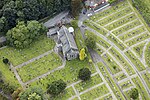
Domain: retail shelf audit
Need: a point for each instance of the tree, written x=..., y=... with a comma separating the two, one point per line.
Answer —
x=84, y=74
x=82, y=54
x=24, y=34
x=16, y=93
x=75, y=7
x=90, y=41
x=56, y=87
x=5, y=61
x=134, y=93
x=33, y=93
x=112, y=1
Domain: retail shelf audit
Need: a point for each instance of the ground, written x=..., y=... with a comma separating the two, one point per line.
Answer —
x=121, y=60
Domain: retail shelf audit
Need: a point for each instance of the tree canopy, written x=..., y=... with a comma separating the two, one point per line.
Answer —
x=82, y=54
x=23, y=34
x=33, y=93
x=134, y=93
x=12, y=11
x=84, y=74
x=56, y=87
x=90, y=41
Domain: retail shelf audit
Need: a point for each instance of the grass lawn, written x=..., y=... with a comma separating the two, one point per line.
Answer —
x=115, y=16
x=140, y=88
x=113, y=66
x=120, y=22
x=120, y=77
x=122, y=61
x=146, y=77
x=110, y=81
x=132, y=33
x=127, y=27
x=95, y=93
x=147, y=55
x=109, y=97
x=138, y=39
x=95, y=27
x=88, y=84
x=125, y=85
x=39, y=67
x=69, y=92
x=135, y=61
x=17, y=56
x=120, y=45
x=69, y=74
x=139, y=49
x=107, y=12
x=99, y=40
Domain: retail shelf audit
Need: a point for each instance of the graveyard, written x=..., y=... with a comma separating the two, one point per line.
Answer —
x=122, y=59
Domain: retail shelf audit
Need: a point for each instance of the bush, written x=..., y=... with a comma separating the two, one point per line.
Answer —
x=84, y=74
x=90, y=41
x=5, y=61
x=134, y=93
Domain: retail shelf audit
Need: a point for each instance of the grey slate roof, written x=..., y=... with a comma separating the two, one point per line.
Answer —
x=67, y=40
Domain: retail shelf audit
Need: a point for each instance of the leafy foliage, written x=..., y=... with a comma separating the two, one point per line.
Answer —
x=82, y=54
x=90, y=41
x=5, y=61
x=75, y=7
x=84, y=74
x=23, y=34
x=112, y=1
x=56, y=87
x=144, y=8
x=134, y=93
x=33, y=93
x=26, y=10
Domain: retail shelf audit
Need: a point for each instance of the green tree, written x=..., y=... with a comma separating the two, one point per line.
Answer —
x=75, y=7
x=84, y=74
x=23, y=34
x=90, y=41
x=82, y=54
x=112, y=1
x=56, y=87
x=5, y=61
x=33, y=93
x=134, y=94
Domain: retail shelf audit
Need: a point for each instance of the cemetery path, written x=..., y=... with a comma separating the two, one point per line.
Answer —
x=119, y=19
x=112, y=14
x=123, y=55
x=128, y=88
x=46, y=74
x=143, y=53
x=102, y=96
x=34, y=59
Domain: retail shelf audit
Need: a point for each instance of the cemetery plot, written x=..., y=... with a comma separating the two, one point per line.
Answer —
x=17, y=56
x=146, y=77
x=69, y=92
x=132, y=33
x=8, y=75
x=99, y=40
x=95, y=27
x=115, y=8
x=147, y=55
x=89, y=83
x=115, y=16
x=39, y=67
x=122, y=61
x=135, y=61
x=141, y=88
x=121, y=22
x=109, y=97
x=138, y=39
x=95, y=93
x=76, y=98
x=113, y=66
x=69, y=74
x=126, y=27
x=120, y=77
x=125, y=85
x=110, y=81
x=99, y=50
x=120, y=45
x=139, y=49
